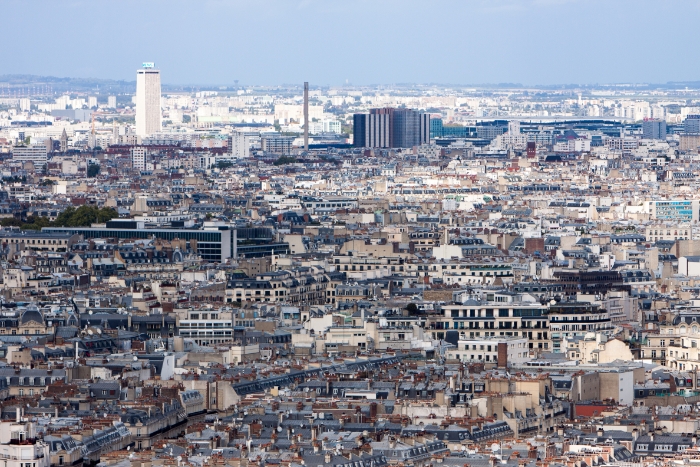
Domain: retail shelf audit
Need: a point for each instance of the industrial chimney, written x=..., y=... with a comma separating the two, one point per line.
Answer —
x=306, y=116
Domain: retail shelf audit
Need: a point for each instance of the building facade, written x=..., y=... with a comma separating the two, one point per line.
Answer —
x=148, y=114
x=391, y=128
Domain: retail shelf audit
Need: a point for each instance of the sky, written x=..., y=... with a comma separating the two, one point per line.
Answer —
x=360, y=42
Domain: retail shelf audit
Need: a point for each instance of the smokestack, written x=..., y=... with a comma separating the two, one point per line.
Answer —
x=306, y=116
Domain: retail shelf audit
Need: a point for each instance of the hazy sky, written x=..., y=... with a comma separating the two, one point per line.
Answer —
x=327, y=42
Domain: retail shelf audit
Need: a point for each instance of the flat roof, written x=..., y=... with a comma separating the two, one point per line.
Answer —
x=34, y=234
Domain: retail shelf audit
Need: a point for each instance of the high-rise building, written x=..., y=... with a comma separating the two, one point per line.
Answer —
x=138, y=157
x=112, y=102
x=148, y=114
x=691, y=125
x=391, y=128
x=239, y=144
x=654, y=128
x=34, y=153
x=276, y=143
x=92, y=102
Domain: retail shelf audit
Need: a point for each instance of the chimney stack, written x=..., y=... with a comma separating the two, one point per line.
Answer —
x=306, y=116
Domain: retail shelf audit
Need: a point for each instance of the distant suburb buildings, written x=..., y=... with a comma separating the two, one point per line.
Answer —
x=148, y=115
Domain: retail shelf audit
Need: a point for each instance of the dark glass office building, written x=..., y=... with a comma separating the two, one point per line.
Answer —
x=391, y=128
x=212, y=245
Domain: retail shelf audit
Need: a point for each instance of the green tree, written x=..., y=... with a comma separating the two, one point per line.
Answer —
x=186, y=119
x=93, y=170
x=36, y=223
x=84, y=216
x=412, y=309
x=285, y=160
x=11, y=222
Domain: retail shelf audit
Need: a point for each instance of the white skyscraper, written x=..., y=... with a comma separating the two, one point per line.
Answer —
x=148, y=114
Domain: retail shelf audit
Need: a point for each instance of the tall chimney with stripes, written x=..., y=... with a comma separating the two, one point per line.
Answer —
x=306, y=116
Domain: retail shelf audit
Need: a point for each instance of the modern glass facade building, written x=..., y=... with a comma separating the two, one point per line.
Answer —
x=654, y=128
x=391, y=128
x=676, y=210
x=212, y=245
x=438, y=130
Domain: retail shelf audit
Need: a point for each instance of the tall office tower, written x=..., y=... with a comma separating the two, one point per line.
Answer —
x=372, y=130
x=691, y=125
x=424, y=128
x=239, y=144
x=514, y=127
x=148, y=114
x=138, y=157
x=654, y=128
x=391, y=128
x=406, y=128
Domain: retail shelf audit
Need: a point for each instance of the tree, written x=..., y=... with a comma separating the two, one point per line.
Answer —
x=11, y=222
x=93, y=170
x=186, y=119
x=412, y=309
x=36, y=223
x=285, y=160
x=84, y=216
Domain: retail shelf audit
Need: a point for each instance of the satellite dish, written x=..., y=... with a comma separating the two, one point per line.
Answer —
x=90, y=332
x=279, y=429
x=136, y=359
x=99, y=331
x=90, y=312
x=552, y=302
x=494, y=447
x=128, y=448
